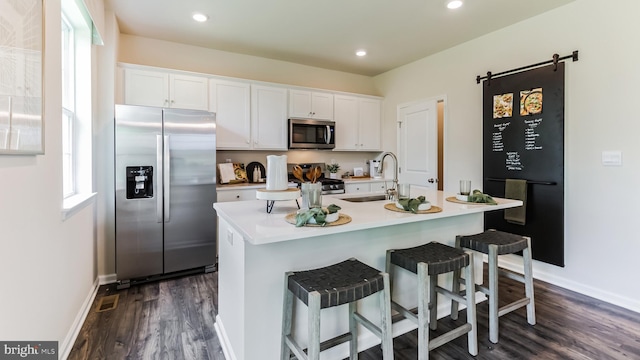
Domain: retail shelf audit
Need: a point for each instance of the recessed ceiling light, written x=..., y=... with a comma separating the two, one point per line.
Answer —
x=361, y=53
x=200, y=17
x=454, y=4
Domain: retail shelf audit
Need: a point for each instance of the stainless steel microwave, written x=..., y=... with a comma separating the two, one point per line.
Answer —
x=311, y=134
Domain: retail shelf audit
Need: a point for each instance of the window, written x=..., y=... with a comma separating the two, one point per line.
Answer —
x=76, y=134
x=68, y=108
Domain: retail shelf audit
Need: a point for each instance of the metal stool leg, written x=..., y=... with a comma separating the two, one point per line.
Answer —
x=385, y=325
x=423, y=311
x=353, y=329
x=528, y=282
x=455, y=286
x=493, y=293
x=472, y=336
x=287, y=314
x=313, y=351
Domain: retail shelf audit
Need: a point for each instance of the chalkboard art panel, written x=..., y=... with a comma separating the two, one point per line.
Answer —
x=523, y=138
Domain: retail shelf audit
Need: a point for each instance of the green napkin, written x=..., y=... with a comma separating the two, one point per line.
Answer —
x=412, y=204
x=478, y=197
x=319, y=215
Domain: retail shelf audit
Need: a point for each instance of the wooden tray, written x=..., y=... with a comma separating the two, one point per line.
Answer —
x=453, y=199
x=342, y=219
x=392, y=206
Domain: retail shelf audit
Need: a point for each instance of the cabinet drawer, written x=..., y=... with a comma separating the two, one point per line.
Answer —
x=236, y=195
x=357, y=188
x=378, y=187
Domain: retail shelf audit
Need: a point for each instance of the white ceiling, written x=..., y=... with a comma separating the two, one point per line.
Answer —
x=325, y=33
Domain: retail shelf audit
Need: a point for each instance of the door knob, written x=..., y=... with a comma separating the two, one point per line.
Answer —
x=431, y=180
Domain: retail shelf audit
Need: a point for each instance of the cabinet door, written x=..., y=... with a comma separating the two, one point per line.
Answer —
x=346, y=118
x=147, y=88
x=369, y=123
x=230, y=101
x=378, y=187
x=299, y=103
x=310, y=104
x=357, y=188
x=188, y=92
x=322, y=105
x=269, y=117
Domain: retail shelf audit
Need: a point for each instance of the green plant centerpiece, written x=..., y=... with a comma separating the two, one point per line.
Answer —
x=333, y=168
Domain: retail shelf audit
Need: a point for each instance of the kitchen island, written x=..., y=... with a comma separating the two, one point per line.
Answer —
x=256, y=249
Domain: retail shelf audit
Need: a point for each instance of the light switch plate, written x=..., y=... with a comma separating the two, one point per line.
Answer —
x=612, y=158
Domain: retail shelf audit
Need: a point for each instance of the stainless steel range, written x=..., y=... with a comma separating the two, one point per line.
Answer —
x=329, y=186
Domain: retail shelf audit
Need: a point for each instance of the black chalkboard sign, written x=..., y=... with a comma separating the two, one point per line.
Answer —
x=523, y=138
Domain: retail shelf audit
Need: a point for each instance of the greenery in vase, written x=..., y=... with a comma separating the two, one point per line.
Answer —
x=333, y=168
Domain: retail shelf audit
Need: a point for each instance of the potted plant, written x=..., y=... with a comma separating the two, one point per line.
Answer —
x=333, y=169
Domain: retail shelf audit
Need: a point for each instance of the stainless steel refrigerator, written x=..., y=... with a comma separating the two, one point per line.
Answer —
x=165, y=178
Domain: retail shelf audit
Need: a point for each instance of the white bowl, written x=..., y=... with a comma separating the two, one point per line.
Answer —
x=422, y=207
x=462, y=197
x=328, y=219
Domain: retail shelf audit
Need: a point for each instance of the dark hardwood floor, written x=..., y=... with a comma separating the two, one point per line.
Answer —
x=173, y=319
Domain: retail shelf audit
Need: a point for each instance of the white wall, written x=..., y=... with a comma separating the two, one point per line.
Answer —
x=601, y=239
x=47, y=266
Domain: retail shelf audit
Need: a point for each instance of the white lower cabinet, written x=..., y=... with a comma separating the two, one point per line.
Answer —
x=378, y=186
x=236, y=195
x=365, y=187
x=360, y=187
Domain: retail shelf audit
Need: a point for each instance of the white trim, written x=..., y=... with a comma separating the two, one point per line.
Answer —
x=107, y=279
x=73, y=204
x=511, y=263
x=224, y=340
x=70, y=339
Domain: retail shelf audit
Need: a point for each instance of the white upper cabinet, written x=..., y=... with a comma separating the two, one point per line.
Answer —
x=358, y=122
x=164, y=89
x=231, y=101
x=310, y=104
x=269, y=117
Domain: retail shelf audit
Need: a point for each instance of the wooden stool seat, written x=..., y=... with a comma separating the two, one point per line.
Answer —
x=427, y=262
x=494, y=243
x=338, y=284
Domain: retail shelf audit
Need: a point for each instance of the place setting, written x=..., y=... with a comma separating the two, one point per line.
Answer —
x=468, y=197
x=406, y=204
x=311, y=212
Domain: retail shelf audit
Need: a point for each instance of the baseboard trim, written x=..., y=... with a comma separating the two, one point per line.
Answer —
x=107, y=279
x=514, y=265
x=70, y=339
x=224, y=340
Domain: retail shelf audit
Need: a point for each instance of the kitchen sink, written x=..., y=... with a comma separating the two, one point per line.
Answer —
x=366, y=198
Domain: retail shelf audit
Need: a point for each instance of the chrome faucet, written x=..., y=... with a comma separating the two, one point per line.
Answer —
x=392, y=194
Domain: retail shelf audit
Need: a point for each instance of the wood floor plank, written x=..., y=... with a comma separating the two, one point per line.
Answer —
x=174, y=318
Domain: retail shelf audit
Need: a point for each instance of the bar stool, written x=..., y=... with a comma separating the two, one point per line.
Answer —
x=427, y=262
x=494, y=243
x=342, y=283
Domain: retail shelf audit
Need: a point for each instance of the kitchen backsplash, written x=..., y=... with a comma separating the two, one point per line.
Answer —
x=347, y=160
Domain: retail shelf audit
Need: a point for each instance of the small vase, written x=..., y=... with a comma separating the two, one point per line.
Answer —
x=333, y=175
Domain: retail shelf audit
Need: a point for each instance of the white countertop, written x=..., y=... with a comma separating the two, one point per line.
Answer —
x=258, y=227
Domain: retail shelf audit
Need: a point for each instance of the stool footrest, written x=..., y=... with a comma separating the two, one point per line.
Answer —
x=513, y=306
x=404, y=312
x=340, y=339
x=368, y=324
x=446, y=337
x=511, y=275
x=295, y=349
x=451, y=295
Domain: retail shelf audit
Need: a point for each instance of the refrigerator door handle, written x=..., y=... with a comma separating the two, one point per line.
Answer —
x=166, y=179
x=159, y=171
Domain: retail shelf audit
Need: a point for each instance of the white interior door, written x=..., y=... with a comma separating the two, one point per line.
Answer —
x=418, y=143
